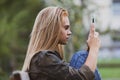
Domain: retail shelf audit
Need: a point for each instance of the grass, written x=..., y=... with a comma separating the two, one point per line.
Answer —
x=110, y=72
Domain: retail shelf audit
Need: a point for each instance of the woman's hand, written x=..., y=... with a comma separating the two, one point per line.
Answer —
x=93, y=45
x=93, y=39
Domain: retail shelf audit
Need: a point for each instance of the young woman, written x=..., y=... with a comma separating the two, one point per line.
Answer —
x=44, y=59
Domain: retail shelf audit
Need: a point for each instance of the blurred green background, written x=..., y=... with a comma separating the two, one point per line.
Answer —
x=16, y=22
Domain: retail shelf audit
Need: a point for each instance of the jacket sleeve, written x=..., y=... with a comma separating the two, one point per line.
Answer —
x=52, y=66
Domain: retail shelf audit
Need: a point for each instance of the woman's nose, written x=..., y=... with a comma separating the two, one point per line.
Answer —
x=69, y=32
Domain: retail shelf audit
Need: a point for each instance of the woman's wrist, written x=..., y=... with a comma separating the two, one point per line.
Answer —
x=92, y=58
x=94, y=49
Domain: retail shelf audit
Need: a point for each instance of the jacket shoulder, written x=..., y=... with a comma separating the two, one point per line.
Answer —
x=43, y=58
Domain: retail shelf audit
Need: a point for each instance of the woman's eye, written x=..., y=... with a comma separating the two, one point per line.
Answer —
x=66, y=27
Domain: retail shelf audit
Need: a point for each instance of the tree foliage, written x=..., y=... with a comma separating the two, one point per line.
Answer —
x=16, y=21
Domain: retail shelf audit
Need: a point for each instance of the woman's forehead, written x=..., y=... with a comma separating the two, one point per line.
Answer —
x=66, y=20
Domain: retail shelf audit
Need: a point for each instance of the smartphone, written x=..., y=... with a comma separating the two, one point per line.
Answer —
x=93, y=20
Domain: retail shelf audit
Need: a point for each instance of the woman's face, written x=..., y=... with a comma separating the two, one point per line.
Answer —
x=65, y=31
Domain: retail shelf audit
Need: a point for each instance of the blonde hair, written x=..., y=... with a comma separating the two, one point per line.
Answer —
x=45, y=33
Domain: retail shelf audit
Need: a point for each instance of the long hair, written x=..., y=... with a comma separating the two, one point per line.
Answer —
x=45, y=33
